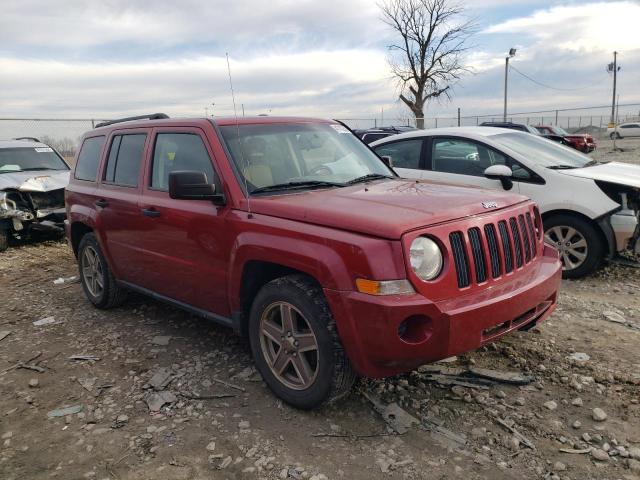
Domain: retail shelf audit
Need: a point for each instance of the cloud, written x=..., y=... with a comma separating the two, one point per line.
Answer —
x=314, y=82
x=595, y=27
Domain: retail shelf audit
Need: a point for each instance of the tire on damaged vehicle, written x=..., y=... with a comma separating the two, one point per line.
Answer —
x=4, y=238
x=98, y=282
x=295, y=344
x=578, y=242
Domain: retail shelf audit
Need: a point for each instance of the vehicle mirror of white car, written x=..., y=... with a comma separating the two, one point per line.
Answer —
x=502, y=173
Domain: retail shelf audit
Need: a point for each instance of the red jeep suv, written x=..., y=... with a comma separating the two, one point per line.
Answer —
x=294, y=233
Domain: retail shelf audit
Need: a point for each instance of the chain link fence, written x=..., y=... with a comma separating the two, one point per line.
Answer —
x=592, y=120
x=64, y=134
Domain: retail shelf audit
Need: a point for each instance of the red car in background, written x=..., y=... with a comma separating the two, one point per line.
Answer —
x=580, y=141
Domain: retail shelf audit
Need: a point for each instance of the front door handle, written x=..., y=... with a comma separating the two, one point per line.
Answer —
x=101, y=203
x=150, y=212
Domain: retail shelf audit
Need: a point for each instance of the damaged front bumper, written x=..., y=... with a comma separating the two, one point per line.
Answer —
x=22, y=217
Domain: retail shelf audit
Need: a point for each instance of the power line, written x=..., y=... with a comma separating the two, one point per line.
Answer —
x=511, y=67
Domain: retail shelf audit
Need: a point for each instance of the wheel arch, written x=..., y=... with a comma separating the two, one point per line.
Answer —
x=77, y=231
x=601, y=225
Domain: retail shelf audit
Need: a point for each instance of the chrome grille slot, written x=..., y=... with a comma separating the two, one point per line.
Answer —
x=517, y=242
x=460, y=259
x=532, y=234
x=478, y=254
x=525, y=236
x=506, y=246
x=494, y=252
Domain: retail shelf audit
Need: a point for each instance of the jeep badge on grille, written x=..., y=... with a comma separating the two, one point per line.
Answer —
x=490, y=204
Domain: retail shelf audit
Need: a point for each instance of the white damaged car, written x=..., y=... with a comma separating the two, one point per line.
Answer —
x=590, y=209
x=33, y=177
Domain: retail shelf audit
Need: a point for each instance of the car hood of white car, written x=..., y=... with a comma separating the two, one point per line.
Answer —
x=612, y=172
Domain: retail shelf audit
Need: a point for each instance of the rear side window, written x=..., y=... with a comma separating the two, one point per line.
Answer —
x=125, y=157
x=178, y=151
x=89, y=158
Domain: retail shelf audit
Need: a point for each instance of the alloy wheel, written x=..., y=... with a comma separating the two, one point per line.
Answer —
x=570, y=243
x=289, y=345
x=92, y=271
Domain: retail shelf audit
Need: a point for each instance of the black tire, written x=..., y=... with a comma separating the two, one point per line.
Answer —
x=111, y=295
x=4, y=239
x=615, y=135
x=595, y=248
x=335, y=376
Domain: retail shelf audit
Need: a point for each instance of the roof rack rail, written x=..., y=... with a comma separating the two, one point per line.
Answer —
x=153, y=116
x=33, y=139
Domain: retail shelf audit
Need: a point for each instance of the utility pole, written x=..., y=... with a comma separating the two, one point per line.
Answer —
x=613, y=67
x=512, y=53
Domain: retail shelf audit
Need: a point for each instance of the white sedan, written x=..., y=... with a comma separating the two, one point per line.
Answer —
x=590, y=210
x=624, y=130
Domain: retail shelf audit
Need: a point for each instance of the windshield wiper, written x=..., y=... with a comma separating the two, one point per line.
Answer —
x=591, y=163
x=368, y=176
x=296, y=186
x=35, y=169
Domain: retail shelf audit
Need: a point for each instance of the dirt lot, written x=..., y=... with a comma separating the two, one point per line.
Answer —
x=250, y=434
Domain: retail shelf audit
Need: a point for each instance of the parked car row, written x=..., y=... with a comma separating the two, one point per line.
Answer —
x=624, y=130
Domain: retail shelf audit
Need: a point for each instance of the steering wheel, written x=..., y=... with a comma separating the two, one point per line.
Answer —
x=473, y=156
x=321, y=170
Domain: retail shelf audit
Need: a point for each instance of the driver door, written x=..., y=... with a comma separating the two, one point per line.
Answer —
x=461, y=161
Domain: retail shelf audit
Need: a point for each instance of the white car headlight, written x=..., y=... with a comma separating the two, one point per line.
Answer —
x=426, y=258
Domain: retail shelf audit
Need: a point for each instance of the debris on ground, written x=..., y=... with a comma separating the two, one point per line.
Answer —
x=63, y=412
x=155, y=401
x=45, y=321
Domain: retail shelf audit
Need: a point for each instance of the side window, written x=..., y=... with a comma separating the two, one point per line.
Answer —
x=404, y=154
x=463, y=157
x=89, y=158
x=125, y=157
x=178, y=151
x=629, y=125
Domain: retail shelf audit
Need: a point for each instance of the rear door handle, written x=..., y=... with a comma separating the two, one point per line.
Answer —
x=101, y=203
x=149, y=212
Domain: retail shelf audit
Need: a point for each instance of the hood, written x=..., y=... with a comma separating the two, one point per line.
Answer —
x=40, y=181
x=612, y=172
x=384, y=208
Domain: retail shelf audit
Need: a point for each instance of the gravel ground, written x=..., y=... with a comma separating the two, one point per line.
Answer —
x=576, y=416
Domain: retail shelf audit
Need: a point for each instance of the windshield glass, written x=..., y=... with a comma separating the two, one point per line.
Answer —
x=30, y=158
x=542, y=151
x=314, y=153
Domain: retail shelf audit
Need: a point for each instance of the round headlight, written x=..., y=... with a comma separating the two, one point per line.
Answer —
x=426, y=258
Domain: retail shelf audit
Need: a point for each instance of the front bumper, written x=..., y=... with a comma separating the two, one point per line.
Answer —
x=625, y=230
x=369, y=325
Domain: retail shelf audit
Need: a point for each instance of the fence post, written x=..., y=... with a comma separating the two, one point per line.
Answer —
x=436, y=119
x=477, y=121
x=458, y=116
x=93, y=123
x=556, y=124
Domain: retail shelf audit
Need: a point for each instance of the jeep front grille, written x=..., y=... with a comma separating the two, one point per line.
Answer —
x=515, y=248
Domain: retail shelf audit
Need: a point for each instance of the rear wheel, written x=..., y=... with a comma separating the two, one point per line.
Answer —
x=295, y=343
x=577, y=240
x=98, y=282
x=614, y=135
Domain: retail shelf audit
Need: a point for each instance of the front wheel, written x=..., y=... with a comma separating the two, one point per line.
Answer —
x=580, y=246
x=295, y=344
x=615, y=135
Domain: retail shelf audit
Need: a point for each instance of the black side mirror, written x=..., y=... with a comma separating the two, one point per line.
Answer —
x=191, y=185
x=387, y=160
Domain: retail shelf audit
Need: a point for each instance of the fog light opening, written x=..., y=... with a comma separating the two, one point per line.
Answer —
x=415, y=329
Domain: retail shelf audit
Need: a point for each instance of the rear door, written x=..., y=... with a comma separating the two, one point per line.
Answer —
x=117, y=203
x=182, y=243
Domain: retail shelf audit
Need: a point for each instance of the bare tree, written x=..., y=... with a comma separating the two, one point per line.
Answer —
x=428, y=59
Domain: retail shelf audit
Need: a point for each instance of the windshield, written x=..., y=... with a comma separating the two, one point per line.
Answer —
x=541, y=151
x=30, y=159
x=559, y=130
x=306, y=155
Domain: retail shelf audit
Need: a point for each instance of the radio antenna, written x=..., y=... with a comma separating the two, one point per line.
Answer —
x=243, y=161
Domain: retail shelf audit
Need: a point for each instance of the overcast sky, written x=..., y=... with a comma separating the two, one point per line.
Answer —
x=111, y=58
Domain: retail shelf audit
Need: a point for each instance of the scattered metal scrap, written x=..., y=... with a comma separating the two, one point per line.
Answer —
x=4, y=334
x=397, y=418
x=92, y=358
x=524, y=440
x=214, y=396
x=472, y=377
x=227, y=384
